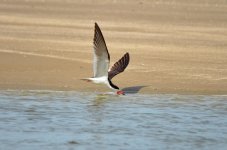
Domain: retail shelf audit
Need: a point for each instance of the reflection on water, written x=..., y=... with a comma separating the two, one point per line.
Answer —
x=72, y=120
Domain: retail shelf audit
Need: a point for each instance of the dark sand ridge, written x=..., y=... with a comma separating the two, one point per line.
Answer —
x=176, y=46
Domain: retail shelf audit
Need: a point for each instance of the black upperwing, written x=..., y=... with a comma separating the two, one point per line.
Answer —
x=119, y=66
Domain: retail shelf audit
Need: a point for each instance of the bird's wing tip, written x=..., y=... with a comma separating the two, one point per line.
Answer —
x=127, y=54
x=96, y=24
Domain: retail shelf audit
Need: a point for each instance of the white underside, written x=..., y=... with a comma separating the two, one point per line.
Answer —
x=101, y=80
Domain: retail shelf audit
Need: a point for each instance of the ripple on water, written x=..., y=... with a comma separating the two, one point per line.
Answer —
x=68, y=120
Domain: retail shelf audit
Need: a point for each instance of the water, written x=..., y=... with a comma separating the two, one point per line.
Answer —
x=71, y=120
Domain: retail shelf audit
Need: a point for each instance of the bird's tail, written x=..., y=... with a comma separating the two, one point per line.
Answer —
x=86, y=79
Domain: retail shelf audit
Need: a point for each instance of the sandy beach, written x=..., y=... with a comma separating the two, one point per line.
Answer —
x=176, y=46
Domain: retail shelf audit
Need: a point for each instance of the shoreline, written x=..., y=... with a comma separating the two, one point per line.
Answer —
x=103, y=89
x=106, y=92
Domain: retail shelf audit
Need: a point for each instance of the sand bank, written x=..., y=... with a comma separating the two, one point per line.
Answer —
x=175, y=46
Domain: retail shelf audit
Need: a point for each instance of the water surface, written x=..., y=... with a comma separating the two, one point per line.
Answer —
x=72, y=120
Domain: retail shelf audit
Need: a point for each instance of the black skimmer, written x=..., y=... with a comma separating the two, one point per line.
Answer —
x=102, y=73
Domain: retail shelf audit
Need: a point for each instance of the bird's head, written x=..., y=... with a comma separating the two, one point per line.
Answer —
x=119, y=92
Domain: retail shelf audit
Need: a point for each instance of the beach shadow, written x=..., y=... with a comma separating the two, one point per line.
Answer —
x=133, y=89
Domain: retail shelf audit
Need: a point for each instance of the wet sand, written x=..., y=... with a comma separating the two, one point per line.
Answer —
x=176, y=46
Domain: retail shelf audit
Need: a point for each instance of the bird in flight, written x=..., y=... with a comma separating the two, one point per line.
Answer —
x=101, y=62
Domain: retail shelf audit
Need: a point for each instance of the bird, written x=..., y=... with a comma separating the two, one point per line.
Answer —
x=102, y=74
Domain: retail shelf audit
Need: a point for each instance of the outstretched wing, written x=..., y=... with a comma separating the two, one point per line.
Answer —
x=119, y=66
x=101, y=54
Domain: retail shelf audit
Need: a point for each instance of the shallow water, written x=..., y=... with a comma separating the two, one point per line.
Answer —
x=71, y=120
